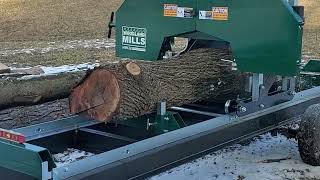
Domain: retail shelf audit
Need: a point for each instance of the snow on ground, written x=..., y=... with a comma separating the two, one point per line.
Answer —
x=60, y=69
x=67, y=68
x=63, y=45
x=69, y=156
x=266, y=157
x=250, y=162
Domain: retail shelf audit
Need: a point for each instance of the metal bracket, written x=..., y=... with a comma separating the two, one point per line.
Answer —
x=261, y=97
x=164, y=121
x=45, y=171
x=162, y=108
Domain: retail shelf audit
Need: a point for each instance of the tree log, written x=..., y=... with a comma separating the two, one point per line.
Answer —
x=37, y=89
x=133, y=88
x=22, y=116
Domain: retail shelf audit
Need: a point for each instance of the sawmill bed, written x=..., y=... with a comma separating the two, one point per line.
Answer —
x=123, y=152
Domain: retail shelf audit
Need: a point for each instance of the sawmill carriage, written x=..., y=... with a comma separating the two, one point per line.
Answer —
x=234, y=79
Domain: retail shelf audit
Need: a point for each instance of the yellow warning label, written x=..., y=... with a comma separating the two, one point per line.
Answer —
x=170, y=10
x=220, y=13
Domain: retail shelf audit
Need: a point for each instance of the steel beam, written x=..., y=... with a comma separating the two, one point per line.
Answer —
x=109, y=135
x=46, y=129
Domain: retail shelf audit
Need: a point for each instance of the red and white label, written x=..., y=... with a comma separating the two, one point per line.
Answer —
x=12, y=136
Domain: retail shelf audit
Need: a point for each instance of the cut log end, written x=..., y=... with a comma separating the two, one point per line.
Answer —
x=133, y=68
x=98, y=96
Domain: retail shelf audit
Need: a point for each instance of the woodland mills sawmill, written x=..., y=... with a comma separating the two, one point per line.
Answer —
x=140, y=117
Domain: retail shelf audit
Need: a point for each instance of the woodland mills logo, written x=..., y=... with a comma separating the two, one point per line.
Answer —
x=134, y=39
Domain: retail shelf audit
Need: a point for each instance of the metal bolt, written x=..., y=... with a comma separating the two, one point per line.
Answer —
x=261, y=106
x=166, y=118
x=128, y=151
x=243, y=109
x=66, y=169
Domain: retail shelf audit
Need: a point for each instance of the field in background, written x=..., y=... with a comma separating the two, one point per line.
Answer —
x=311, y=41
x=51, y=20
x=27, y=25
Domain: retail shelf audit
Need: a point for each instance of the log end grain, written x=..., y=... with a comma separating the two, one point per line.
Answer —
x=133, y=68
x=98, y=97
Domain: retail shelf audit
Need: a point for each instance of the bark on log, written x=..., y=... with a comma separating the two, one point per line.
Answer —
x=22, y=116
x=26, y=91
x=133, y=88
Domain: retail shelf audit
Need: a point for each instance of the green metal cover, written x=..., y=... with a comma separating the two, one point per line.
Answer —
x=265, y=36
x=24, y=158
x=312, y=66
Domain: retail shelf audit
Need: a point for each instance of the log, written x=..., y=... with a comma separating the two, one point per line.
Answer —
x=16, y=91
x=132, y=88
x=22, y=116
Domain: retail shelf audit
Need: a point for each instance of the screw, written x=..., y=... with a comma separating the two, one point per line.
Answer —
x=261, y=106
x=243, y=109
x=166, y=118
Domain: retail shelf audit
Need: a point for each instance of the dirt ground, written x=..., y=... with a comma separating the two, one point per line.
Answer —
x=67, y=31
x=311, y=40
x=52, y=20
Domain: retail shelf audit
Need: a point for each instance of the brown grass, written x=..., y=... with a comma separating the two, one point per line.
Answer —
x=25, y=23
x=38, y=20
x=312, y=13
x=311, y=40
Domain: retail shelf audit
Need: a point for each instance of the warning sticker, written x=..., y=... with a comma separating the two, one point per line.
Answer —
x=170, y=10
x=205, y=14
x=220, y=13
x=134, y=38
x=185, y=12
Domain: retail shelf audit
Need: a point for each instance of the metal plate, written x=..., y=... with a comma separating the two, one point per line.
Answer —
x=55, y=127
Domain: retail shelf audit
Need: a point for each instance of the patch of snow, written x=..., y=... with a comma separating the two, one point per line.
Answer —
x=69, y=156
x=61, y=69
x=248, y=162
x=68, y=68
x=62, y=45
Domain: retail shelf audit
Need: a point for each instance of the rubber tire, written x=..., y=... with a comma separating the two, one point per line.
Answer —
x=309, y=136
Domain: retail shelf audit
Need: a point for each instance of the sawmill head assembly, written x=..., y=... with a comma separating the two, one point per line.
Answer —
x=265, y=38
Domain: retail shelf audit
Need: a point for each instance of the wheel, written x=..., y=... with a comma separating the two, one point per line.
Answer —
x=309, y=136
